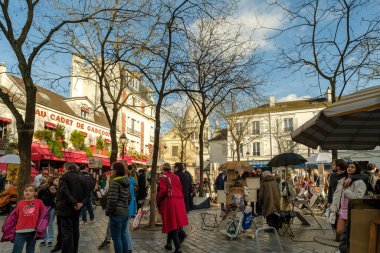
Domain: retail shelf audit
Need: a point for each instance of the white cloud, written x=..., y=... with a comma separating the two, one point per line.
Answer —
x=292, y=97
x=257, y=16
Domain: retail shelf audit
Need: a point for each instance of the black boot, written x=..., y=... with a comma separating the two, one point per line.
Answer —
x=56, y=248
x=168, y=247
x=104, y=244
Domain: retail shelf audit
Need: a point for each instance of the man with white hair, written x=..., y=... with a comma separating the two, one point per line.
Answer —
x=269, y=196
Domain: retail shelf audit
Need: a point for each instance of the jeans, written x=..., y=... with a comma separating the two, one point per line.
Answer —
x=88, y=206
x=108, y=233
x=49, y=237
x=20, y=240
x=70, y=233
x=173, y=236
x=119, y=232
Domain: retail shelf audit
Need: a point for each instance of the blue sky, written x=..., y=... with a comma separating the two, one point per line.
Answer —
x=251, y=13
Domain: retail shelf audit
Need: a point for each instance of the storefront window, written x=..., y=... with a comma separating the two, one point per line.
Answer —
x=3, y=129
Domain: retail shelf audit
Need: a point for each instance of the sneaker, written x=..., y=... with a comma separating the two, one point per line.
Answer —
x=92, y=221
x=42, y=244
x=56, y=249
x=83, y=222
x=168, y=247
x=50, y=244
x=104, y=244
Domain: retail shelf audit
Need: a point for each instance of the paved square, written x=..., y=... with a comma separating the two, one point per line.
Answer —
x=199, y=240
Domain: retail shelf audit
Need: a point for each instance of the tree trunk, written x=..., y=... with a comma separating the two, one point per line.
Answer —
x=334, y=153
x=238, y=151
x=153, y=173
x=201, y=162
x=25, y=131
x=114, y=146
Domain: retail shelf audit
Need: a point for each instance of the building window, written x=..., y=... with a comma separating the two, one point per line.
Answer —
x=83, y=114
x=3, y=129
x=256, y=148
x=133, y=127
x=174, y=151
x=288, y=124
x=241, y=150
x=256, y=127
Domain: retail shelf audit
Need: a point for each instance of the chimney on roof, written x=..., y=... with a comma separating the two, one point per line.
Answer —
x=272, y=101
x=328, y=94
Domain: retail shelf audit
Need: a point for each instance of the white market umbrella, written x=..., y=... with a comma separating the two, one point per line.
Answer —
x=160, y=162
x=320, y=158
x=12, y=159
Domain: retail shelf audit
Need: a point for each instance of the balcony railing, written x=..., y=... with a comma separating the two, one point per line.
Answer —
x=256, y=131
x=133, y=132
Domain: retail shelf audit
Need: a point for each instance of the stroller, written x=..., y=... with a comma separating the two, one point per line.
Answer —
x=8, y=200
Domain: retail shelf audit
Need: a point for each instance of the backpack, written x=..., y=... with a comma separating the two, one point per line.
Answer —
x=89, y=180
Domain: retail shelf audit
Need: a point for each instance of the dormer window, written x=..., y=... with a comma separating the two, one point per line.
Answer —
x=84, y=111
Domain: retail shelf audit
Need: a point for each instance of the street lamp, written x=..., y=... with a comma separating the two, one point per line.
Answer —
x=123, y=140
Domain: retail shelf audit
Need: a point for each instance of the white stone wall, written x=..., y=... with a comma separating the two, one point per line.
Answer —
x=271, y=126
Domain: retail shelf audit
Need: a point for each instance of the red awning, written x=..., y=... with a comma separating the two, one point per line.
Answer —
x=42, y=152
x=5, y=120
x=108, y=140
x=85, y=109
x=50, y=125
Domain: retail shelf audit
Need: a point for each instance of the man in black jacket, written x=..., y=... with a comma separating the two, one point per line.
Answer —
x=186, y=184
x=88, y=204
x=71, y=194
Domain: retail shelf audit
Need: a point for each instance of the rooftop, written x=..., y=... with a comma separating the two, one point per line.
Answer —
x=285, y=106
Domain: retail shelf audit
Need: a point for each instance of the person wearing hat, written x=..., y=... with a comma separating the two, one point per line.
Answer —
x=269, y=197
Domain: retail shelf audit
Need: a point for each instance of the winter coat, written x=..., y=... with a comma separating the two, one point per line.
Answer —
x=356, y=190
x=46, y=196
x=219, y=182
x=170, y=202
x=132, y=203
x=269, y=196
x=9, y=226
x=142, y=192
x=186, y=189
x=119, y=196
x=72, y=189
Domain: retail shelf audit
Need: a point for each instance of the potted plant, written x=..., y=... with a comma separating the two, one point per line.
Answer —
x=100, y=144
x=44, y=136
x=77, y=139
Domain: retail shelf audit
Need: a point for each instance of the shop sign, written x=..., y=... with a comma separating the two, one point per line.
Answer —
x=95, y=163
x=69, y=122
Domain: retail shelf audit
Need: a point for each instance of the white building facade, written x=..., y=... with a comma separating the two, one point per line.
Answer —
x=268, y=129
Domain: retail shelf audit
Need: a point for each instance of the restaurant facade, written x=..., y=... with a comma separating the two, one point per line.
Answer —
x=78, y=113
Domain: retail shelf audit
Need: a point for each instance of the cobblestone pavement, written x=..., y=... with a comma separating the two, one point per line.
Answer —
x=199, y=240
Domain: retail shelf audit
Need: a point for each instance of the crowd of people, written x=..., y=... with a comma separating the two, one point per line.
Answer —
x=64, y=200
x=347, y=180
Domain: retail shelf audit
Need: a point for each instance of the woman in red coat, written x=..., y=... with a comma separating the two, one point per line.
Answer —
x=171, y=206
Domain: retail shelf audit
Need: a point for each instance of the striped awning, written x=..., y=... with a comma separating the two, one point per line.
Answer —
x=353, y=123
x=361, y=101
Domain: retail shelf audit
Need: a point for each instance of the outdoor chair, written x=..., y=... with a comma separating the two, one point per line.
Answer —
x=286, y=219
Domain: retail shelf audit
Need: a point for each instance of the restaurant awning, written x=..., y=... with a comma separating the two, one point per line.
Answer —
x=5, y=120
x=50, y=125
x=42, y=152
x=105, y=160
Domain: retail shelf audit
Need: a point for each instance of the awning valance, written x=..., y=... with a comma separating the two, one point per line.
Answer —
x=50, y=125
x=5, y=120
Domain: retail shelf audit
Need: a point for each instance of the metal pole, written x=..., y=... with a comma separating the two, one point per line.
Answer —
x=122, y=152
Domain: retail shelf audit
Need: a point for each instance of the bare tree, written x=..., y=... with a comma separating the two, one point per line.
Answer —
x=28, y=27
x=242, y=129
x=161, y=59
x=282, y=136
x=219, y=63
x=181, y=128
x=336, y=41
x=102, y=46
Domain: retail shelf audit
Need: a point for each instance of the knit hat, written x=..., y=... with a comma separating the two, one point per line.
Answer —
x=266, y=174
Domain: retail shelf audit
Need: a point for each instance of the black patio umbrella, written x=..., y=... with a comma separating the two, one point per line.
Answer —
x=286, y=159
